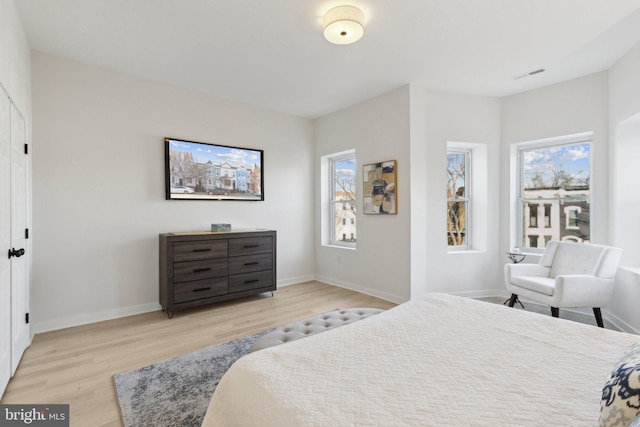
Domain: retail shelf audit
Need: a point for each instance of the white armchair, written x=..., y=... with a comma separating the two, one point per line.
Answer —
x=567, y=275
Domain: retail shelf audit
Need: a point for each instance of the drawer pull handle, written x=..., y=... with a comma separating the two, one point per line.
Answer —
x=251, y=281
x=202, y=289
x=251, y=246
x=200, y=270
x=251, y=263
x=202, y=250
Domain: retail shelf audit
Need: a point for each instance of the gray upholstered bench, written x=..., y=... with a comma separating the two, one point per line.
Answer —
x=320, y=323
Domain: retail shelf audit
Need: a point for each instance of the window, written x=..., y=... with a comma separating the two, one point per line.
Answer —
x=533, y=216
x=572, y=214
x=458, y=198
x=554, y=178
x=547, y=215
x=342, y=173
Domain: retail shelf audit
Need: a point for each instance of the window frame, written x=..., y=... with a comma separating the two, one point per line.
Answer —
x=333, y=202
x=466, y=199
x=521, y=233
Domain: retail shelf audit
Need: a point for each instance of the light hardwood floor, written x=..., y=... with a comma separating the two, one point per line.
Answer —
x=76, y=365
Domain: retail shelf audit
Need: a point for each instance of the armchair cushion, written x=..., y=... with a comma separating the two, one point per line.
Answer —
x=514, y=270
x=543, y=285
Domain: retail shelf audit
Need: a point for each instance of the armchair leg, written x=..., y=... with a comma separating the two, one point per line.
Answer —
x=598, y=314
x=513, y=300
x=555, y=312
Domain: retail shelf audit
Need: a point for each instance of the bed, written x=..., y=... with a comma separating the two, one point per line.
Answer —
x=438, y=360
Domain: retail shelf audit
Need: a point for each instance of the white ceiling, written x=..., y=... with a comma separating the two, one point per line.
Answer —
x=272, y=53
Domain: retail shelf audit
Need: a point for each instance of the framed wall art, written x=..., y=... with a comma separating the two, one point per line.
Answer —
x=380, y=188
x=203, y=171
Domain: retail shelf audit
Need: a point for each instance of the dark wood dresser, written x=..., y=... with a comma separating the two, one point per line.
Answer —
x=204, y=267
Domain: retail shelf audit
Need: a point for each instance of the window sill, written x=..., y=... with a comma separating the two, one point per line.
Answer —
x=634, y=270
x=538, y=254
x=466, y=251
x=349, y=248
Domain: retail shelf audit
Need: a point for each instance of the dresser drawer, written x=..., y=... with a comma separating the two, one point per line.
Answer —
x=195, y=250
x=250, y=245
x=250, y=263
x=198, y=289
x=245, y=282
x=195, y=270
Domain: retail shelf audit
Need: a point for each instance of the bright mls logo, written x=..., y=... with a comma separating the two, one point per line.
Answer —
x=34, y=415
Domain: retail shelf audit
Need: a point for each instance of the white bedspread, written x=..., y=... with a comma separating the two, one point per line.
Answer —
x=435, y=361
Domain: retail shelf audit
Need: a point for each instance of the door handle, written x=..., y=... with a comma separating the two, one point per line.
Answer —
x=15, y=253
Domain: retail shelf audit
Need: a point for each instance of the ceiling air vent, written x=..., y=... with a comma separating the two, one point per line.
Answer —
x=530, y=73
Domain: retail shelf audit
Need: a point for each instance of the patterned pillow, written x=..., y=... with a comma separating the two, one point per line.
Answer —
x=620, y=402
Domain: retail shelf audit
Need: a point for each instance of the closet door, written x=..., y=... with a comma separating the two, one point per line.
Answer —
x=19, y=242
x=5, y=243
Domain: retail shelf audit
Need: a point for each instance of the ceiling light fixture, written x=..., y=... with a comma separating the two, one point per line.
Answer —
x=343, y=25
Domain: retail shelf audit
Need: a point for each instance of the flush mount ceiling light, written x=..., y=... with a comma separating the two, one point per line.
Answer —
x=343, y=25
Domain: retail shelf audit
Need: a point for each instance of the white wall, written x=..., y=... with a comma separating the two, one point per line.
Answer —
x=99, y=186
x=624, y=117
x=464, y=119
x=378, y=129
x=15, y=59
x=419, y=175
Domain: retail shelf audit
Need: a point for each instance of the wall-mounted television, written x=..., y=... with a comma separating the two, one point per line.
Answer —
x=204, y=171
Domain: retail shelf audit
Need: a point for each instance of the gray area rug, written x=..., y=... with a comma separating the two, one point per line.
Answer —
x=177, y=392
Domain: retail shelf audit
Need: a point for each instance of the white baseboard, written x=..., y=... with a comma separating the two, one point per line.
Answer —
x=84, y=319
x=619, y=323
x=295, y=280
x=367, y=291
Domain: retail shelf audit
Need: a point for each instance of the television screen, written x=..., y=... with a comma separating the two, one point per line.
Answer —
x=203, y=171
